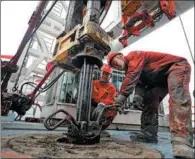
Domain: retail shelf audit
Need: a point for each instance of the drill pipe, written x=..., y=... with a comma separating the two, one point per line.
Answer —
x=85, y=91
x=92, y=11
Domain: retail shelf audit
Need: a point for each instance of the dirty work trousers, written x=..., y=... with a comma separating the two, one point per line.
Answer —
x=151, y=100
x=178, y=79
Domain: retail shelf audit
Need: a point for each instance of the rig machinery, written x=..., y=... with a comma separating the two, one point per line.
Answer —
x=82, y=45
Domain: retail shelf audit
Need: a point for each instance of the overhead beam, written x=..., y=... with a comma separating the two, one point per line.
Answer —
x=36, y=53
x=57, y=18
x=65, y=6
x=181, y=7
x=41, y=42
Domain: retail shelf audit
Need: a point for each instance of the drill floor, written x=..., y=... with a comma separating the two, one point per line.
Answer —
x=42, y=145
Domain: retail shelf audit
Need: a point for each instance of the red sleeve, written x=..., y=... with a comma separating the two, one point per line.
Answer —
x=135, y=67
x=111, y=96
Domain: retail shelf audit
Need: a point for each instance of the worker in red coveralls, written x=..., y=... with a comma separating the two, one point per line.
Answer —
x=158, y=74
x=104, y=92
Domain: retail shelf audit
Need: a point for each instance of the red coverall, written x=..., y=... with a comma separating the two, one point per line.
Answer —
x=161, y=73
x=104, y=93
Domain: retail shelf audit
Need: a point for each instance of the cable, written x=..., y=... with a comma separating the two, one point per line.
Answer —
x=50, y=84
x=186, y=39
x=28, y=83
x=41, y=90
x=20, y=71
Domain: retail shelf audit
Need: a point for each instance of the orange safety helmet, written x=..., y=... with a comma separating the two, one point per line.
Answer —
x=111, y=56
x=106, y=68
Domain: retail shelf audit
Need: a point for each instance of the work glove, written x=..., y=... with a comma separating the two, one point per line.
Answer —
x=138, y=102
x=97, y=111
x=119, y=102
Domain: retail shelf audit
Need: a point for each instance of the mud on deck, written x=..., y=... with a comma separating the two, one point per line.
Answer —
x=7, y=132
x=46, y=146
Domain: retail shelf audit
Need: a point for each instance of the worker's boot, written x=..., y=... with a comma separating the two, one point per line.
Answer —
x=146, y=137
x=182, y=148
x=149, y=129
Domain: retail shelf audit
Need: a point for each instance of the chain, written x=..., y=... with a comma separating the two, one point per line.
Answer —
x=15, y=88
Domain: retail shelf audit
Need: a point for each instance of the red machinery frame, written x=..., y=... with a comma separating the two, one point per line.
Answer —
x=146, y=20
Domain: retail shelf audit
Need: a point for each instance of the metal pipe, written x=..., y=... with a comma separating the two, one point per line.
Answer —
x=83, y=94
x=91, y=70
x=92, y=11
x=86, y=94
x=79, y=95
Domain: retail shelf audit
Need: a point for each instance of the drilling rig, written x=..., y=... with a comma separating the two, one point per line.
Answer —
x=79, y=48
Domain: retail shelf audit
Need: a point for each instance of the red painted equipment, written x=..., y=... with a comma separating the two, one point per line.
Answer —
x=168, y=7
x=6, y=56
x=135, y=22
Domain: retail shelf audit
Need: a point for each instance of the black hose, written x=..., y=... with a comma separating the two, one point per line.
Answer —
x=41, y=90
x=20, y=71
x=50, y=84
x=27, y=83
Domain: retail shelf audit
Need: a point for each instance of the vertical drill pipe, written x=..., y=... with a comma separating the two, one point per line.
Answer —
x=85, y=84
x=92, y=11
x=84, y=101
x=79, y=96
x=90, y=91
x=81, y=92
x=84, y=93
x=85, y=105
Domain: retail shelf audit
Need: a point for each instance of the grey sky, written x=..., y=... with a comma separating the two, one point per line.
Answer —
x=14, y=23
